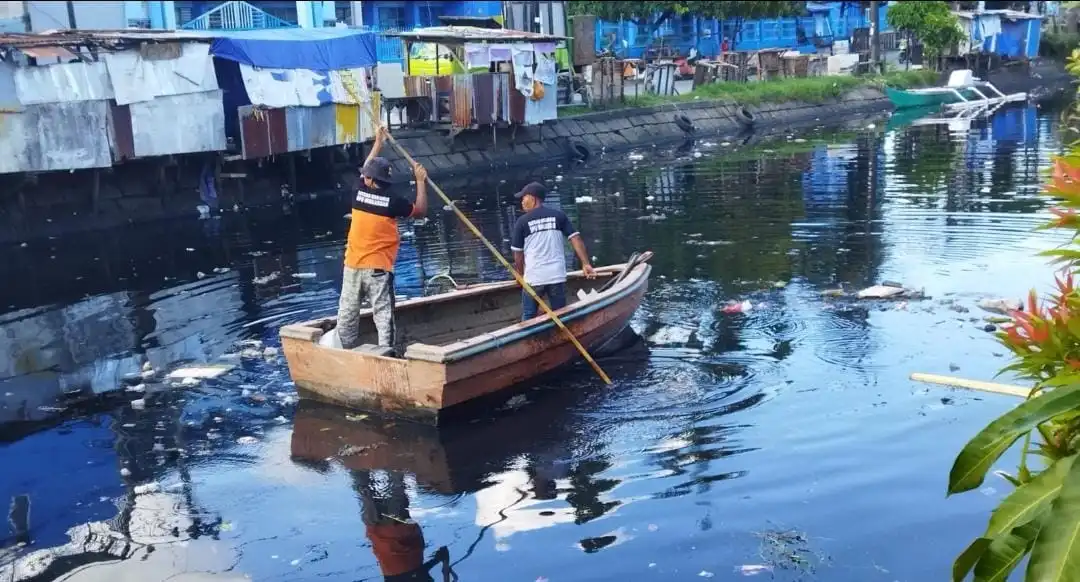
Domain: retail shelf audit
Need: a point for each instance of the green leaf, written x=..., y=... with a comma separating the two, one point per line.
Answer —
x=1029, y=500
x=1055, y=556
x=1005, y=553
x=980, y=453
x=968, y=558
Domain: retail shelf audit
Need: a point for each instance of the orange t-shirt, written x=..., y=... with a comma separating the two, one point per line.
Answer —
x=373, y=236
x=399, y=547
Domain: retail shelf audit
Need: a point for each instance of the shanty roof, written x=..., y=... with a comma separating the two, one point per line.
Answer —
x=54, y=38
x=474, y=34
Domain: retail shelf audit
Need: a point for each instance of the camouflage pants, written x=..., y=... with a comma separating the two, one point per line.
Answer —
x=375, y=285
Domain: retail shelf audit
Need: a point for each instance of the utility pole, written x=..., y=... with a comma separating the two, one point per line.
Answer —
x=875, y=46
x=71, y=14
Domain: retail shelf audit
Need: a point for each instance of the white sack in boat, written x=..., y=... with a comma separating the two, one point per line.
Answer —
x=330, y=339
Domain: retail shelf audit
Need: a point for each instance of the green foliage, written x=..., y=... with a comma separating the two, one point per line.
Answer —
x=1059, y=45
x=1040, y=519
x=932, y=23
x=657, y=12
x=804, y=90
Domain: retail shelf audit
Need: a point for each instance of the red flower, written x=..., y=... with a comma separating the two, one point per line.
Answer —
x=1066, y=217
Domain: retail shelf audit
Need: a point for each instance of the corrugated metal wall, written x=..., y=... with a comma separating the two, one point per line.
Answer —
x=71, y=119
x=267, y=132
x=56, y=136
x=174, y=124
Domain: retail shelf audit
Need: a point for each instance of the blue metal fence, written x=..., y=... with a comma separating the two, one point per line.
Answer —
x=388, y=49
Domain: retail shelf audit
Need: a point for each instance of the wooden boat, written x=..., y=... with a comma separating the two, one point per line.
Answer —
x=462, y=345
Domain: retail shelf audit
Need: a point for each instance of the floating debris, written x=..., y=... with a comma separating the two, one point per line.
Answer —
x=584, y=200
x=1002, y=306
x=221, y=270
x=753, y=569
x=350, y=450
x=200, y=372
x=705, y=574
x=355, y=417
x=137, y=388
x=266, y=279
x=271, y=352
x=152, y=487
x=516, y=402
x=304, y=275
x=652, y=217
x=880, y=292
x=740, y=307
x=125, y=472
x=139, y=404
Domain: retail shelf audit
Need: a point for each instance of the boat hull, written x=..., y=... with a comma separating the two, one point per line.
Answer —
x=905, y=99
x=430, y=379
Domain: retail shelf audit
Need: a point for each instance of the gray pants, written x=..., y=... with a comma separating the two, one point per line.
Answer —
x=375, y=285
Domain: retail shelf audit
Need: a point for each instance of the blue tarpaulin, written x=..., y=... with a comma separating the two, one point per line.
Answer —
x=316, y=49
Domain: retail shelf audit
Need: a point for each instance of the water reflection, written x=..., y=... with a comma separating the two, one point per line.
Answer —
x=717, y=421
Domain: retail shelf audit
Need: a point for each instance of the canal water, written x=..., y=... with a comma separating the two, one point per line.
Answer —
x=784, y=441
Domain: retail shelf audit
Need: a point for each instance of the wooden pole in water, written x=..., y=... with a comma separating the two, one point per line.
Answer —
x=1018, y=391
x=476, y=231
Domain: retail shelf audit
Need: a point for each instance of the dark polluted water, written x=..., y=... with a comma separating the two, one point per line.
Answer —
x=784, y=441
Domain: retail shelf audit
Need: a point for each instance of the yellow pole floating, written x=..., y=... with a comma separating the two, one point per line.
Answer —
x=979, y=385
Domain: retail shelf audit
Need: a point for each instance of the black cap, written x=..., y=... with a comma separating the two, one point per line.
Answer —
x=377, y=169
x=534, y=189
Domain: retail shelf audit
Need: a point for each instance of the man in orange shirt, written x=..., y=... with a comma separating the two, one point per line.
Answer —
x=373, y=245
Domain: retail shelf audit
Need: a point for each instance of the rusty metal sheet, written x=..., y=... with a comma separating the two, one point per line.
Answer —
x=56, y=136
x=50, y=52
x=417, y=86
x=279, y=134
x=517, y=105
x=123, y=137
x=310, y=127
x=461, y=101
x=484, y=109
x=254, y=132
x=178, y=124
x=444, y=83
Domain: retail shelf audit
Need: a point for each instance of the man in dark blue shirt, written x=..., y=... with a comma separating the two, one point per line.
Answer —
x=537, y=242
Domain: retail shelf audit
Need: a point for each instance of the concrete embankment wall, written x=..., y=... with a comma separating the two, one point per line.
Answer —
x=616, y=130
x=153, y=189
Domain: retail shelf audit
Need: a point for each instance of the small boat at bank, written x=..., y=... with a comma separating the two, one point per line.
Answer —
x=964, y=92
x=463, y=344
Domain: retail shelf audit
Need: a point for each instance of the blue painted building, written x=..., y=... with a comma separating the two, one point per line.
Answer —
x=822, y=23
x=258, y=14
x=1006, y=33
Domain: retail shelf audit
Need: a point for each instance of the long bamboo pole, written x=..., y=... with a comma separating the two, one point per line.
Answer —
x=972, y=384
x=468, y=223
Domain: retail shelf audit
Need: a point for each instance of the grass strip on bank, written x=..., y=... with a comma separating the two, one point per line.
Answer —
x=802, y=89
